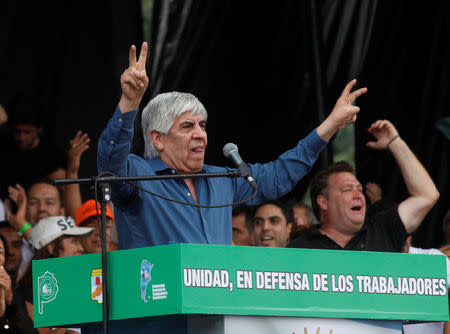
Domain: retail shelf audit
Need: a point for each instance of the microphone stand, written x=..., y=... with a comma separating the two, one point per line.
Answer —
x=106, y=197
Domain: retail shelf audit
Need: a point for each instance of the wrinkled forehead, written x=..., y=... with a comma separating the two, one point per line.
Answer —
x=342, y=179
x=189, y=115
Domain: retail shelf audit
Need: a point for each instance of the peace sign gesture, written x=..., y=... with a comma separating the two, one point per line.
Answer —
x=134, y=80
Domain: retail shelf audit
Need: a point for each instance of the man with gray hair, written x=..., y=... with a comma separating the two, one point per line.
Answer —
x=174, y=129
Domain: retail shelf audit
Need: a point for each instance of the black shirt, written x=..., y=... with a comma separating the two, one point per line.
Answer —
x=380, y=233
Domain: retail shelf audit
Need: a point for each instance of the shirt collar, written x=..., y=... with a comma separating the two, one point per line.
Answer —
x=161, y=168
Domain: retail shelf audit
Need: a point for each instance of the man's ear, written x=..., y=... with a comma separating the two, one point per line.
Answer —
x=322, y=202
x=157, y=139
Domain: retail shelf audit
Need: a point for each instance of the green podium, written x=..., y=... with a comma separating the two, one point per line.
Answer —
x=241, y=283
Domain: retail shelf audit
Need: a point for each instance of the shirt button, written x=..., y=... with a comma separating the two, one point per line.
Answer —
x=111, y=142
x=188, y=194
x=172, y=171
x=120, y=120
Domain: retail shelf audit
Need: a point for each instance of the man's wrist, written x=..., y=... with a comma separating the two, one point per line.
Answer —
x=24, y=227
x=126, y=105
x=391, y=140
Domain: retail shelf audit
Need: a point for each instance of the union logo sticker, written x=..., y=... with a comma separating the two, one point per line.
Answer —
x=146, y=277
x=158, y=291
x=47, y=289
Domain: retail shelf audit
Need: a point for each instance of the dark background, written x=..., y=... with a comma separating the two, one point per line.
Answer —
x=267, y=71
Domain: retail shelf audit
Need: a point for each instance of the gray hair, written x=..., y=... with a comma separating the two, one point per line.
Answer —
x=162, y=111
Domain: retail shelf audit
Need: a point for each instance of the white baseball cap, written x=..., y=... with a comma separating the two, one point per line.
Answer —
x=51, y=228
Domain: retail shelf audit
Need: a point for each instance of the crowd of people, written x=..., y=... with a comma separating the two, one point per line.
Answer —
x=41, y=220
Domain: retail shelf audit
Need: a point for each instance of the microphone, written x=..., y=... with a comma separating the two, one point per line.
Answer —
x=230, y=151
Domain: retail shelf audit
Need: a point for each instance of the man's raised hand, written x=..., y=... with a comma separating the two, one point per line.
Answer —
x=78, y=145
x=134, y=80
x=384, y=132
x=343, y=113
x=19, y=196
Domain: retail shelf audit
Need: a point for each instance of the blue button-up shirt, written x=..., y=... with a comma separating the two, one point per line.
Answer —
x=145, y=220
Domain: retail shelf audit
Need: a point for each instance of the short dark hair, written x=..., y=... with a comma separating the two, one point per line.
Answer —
x=49, y=182
x=248, y=213
x=320, y=182
x=286, y=209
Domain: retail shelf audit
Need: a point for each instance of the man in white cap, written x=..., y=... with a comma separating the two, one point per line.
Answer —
x=55, y=236
x=59, y=235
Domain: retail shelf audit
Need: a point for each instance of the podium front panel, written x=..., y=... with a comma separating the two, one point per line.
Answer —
x=234, y=280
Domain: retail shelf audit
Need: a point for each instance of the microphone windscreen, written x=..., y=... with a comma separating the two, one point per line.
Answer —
x=228, y=148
